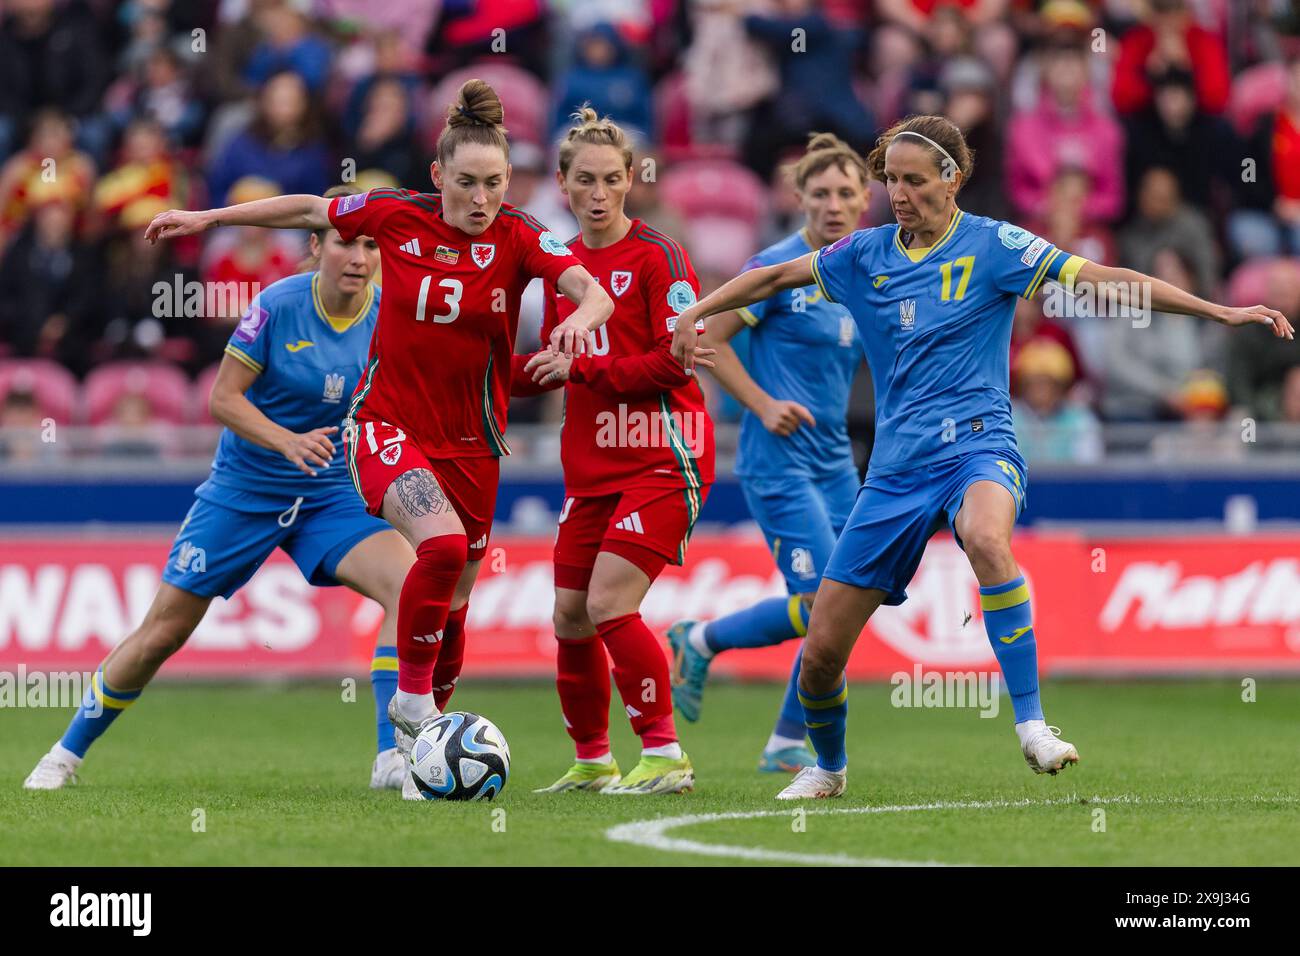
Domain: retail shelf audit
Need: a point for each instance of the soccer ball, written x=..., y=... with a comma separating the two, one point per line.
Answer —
x=460, y=756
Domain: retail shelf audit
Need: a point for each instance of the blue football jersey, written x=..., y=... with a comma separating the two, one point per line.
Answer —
x=308, y=363
x=936, y=327
x=802, y=348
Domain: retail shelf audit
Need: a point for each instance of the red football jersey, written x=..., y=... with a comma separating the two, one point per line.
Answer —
x=632, y=416
x=440, y=358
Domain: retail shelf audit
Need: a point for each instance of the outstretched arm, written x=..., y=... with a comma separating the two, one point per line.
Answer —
x=746, y=289
x=1169, y=298
x=279, y=212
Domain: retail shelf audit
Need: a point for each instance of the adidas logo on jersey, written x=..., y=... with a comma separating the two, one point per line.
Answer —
x=631, y=523
x=480, y=543
x=433, y=638
x=411, y=246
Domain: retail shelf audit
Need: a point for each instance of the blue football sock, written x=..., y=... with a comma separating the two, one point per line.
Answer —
x=825, y=716
x=770, y=621
x=790, y=722
x=383, y=682
x=99, y=708
x=1010, y=627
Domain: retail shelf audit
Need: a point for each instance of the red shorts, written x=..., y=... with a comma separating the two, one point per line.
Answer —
x=382, y=452
x=647, y=526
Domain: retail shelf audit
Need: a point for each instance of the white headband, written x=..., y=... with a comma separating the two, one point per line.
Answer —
x=908, y=132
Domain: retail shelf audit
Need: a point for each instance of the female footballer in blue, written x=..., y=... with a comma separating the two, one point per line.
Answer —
x=281, y=392
x=794, y=462
x=933, y=299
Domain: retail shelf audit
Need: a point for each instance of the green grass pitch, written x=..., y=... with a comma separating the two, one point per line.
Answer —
x=1182, y=773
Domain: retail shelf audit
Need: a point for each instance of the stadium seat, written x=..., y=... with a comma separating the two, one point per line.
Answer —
x=202, y=389
x=1256, y=91
x=53, y=386
x=526, y=101
x=1263, y=281
x=714, y=188
x=167, y=388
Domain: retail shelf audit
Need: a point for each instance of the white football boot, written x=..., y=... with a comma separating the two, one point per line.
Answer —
x=814, y=783
x=404, y=734
x=56, y=770
x=389, y=770
x=1044, y=751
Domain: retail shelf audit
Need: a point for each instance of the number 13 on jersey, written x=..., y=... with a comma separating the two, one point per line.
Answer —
x=451, y=300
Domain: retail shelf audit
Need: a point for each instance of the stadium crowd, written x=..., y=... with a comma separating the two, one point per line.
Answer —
x=1163, y=135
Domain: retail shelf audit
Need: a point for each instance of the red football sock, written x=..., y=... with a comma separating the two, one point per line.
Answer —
x=422, y=609
x=641, y=673
x=582, y=678
x=446, y=671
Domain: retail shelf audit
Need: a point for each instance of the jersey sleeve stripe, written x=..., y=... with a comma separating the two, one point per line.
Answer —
x=527, y=220
x=746, y=316
x=245, y=359
x=676, y=258
x=1069, y=273
x=423, y=200
x=817, y=276
x=1032, y=289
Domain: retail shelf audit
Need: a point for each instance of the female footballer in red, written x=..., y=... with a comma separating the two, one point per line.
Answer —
x=637, y=449
x=428, y=418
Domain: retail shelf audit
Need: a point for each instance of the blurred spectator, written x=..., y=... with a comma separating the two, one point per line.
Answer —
x=51, y=58
x=146, y=168
x=22, y=429
x=1065, y=222
x=916, y=14
x=132, y=430
x=405, y=22
x=1030, y=326
x=49, y=168
x=50, y=288
x=727, y=72
x=385, y=137
x=969, y=86
x=159, y=89
x=1289, y=404
x=1258, y=362
x=1203, y=438
x=142, y=314
x=252, y=259
x=606, y=74
x=1170, y=40
x=1162, y=221
x=1066, y=130
x=1147, y=367
x=469, y=29
x=1175, y=133
x=947, y=37
x=815, y=91
x=290, y=44
x=1266, y=220
x=1051, y=427
x=283, y=144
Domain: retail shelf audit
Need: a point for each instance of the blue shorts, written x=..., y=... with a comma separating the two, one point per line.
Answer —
x=896, y=515
x=221, y=545
x=800, y=517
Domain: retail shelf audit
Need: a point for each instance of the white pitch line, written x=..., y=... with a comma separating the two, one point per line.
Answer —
x=653, y=834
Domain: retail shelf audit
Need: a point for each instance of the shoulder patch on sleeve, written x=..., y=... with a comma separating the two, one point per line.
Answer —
x=251, y=325
x=351, y=203
x=838, y=244
x=1013, y=237
x=680, y=296
x=553, y=244
x=1035, y=251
